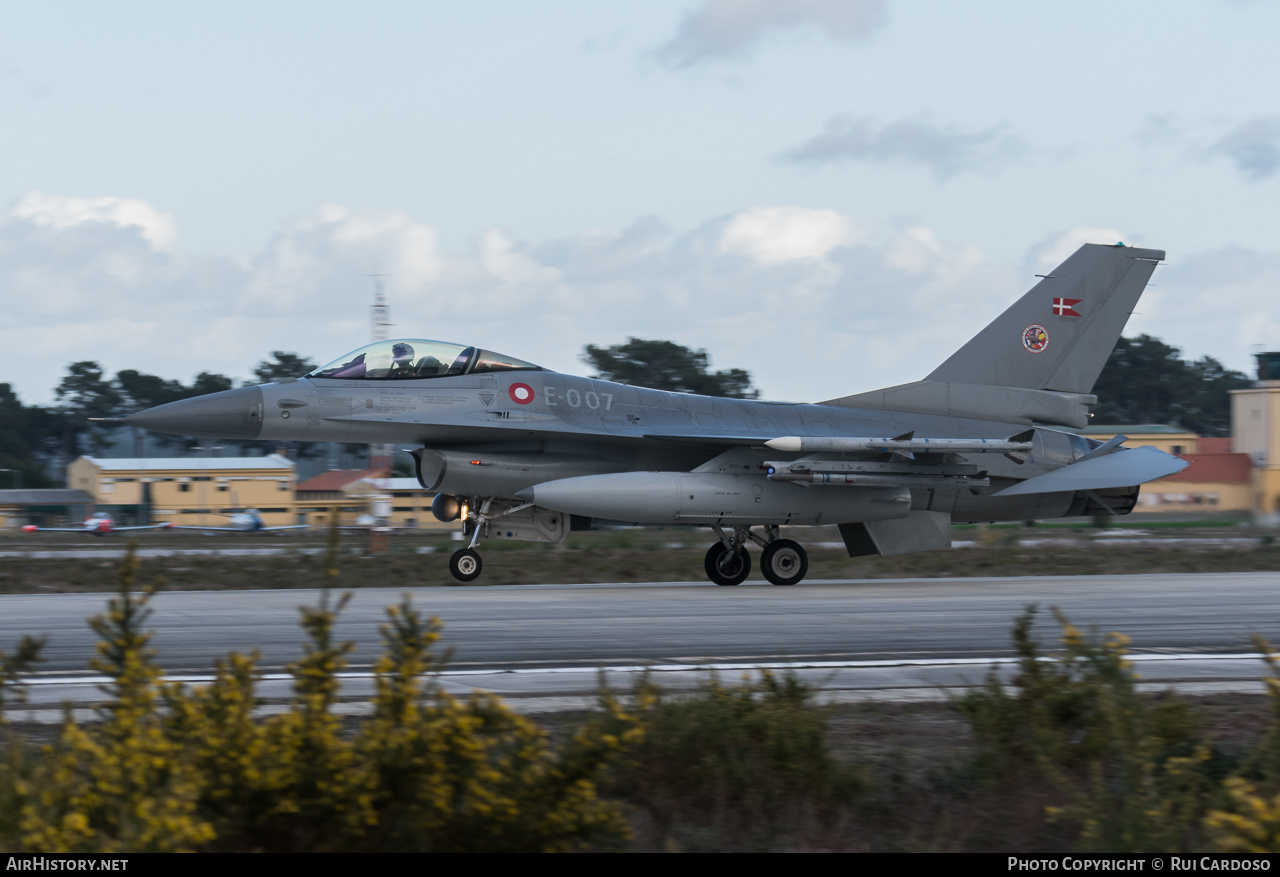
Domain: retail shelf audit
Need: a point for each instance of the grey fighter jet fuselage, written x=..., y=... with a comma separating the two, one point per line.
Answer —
x=517, y=451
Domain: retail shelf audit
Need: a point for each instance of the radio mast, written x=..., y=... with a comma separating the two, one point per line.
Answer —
x=380, y=318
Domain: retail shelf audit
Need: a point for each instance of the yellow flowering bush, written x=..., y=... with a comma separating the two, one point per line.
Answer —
x=173, y=768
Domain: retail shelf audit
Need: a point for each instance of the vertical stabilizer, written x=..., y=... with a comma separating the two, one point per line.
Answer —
x=1059, y=335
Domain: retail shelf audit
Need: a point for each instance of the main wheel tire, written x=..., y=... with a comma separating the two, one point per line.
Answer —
x=725, y=568
x=784, y=562
x=465, y=564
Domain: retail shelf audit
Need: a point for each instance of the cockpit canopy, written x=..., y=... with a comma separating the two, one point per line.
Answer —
x=414, y=358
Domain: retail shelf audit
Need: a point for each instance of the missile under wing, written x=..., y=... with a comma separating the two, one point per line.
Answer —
x=516, y=451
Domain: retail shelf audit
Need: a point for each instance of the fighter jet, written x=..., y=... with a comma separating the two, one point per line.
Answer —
x=97, y=524
x=517, y=451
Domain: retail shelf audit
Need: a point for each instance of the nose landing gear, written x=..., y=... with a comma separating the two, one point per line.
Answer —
x=465, y=564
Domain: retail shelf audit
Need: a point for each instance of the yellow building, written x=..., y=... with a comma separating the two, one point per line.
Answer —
x=410, y=504
x=1218, y=479
x=1170, y=439
x=343, y=489
x=359, y=495
x=191, y=491
x=1255, y=423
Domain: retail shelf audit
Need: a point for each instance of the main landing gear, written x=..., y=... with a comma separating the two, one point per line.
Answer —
x=782, y=561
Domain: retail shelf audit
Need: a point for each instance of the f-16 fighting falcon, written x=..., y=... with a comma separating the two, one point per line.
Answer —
x=520, y=452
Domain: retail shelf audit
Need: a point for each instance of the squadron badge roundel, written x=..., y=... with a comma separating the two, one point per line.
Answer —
x=1035, y=338
x=521, y=394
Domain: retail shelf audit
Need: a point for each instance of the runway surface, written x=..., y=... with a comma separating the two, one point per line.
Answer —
x=595, y=625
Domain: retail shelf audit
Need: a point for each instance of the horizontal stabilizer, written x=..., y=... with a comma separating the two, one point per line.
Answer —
x=1122, y=468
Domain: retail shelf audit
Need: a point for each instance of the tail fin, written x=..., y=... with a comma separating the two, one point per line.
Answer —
x=1059, y=335
x=1037, y=362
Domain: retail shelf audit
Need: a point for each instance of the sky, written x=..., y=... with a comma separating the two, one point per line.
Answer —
x=831, y=194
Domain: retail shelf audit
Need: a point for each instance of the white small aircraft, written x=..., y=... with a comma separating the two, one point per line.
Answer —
x=97, y=524
x=247, y=521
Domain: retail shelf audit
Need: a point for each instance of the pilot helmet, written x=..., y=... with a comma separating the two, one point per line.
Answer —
x=401, y=353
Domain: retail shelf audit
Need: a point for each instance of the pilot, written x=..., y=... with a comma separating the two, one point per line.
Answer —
x=401, y=361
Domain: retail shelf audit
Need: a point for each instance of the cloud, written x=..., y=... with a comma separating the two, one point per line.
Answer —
x=1162, y=129
x=796, y=295
x=771, y=235
x=20, y=81
x=1051, y=252
x=1215, y=303
x=813, y=302
x=722, y=30
x=52, y=211
x=947, y=149
x=1252, y=146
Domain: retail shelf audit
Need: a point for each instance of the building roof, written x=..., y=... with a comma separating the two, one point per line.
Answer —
x=44, y=496
x=337, y=479
x=397, y=484
x=199, y=464
x=1214, y=469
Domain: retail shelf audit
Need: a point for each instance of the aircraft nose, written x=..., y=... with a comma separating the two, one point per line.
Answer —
x=231, y=414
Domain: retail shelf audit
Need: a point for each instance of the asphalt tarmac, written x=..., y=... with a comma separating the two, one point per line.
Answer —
x=871, y=635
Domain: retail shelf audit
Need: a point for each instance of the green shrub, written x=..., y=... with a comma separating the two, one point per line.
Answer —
x=174, y=768
x=1131, y=768
x=1248, y=819
x=737, y=765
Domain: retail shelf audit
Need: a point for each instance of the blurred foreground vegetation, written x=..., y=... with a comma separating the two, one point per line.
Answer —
x=1064, y=754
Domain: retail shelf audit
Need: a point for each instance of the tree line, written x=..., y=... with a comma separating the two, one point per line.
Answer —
x=1144, y=381
x=34, y=438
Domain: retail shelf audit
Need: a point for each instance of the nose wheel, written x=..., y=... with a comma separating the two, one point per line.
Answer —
x=465, y=564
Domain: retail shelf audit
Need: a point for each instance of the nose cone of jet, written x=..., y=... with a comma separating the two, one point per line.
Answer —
x=231, y=414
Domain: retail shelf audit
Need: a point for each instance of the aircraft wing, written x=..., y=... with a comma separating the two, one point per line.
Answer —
x=1124, y=467
x=243, y=529
x=35, y=529
x=356, y=528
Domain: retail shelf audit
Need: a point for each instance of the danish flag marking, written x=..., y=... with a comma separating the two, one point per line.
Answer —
x=1065, y=307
